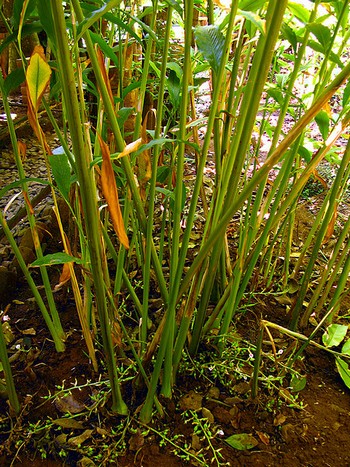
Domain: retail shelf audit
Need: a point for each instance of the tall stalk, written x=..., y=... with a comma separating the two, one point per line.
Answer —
x=82, y=155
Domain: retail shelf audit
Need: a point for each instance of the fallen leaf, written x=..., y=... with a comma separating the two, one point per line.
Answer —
x=264, y=437
x=136, y=441
x=191, y=401
x=242, y=441
x=67, y=404
x=279, y=419
x=78, y=440
x=208, y=415
x=68, y=423
x=85, y=462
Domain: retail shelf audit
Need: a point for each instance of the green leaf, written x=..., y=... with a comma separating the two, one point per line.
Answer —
x=56, y=258
x=276, y=94
x=299, y=11
x=332, y=56
x=210, y=42
x=17, y=11
x=174, y=88
x=27, y=30
x=106, y=49
x=334, y=334
x=251, y=5
x=346, y=347
x=242, y=441
x=176, y=5
x=61, y=171
x=94, y=16
x=289, y=34
x=322, y=34
x=19, y=184
x=297, y=383
x=305, y=153
x=38, y=77
x=45, y=15
x=13, y=80
x=322, y=120
x=344, y=370
x=255, y=19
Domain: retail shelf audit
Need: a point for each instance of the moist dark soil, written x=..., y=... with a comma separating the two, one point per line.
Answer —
x=66, y=416
x=312, y=431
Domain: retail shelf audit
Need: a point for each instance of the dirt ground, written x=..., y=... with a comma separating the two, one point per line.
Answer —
x=315, y=435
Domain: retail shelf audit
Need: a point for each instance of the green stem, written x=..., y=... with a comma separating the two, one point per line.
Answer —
x=88, y=196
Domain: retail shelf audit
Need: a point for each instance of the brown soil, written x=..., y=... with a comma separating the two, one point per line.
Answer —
x=315, y=435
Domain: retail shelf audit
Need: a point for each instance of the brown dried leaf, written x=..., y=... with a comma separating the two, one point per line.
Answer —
x=68, y=423
x=330, y=228
x=77, y=440
x=64, y=277
x=191, y=401
x=279, y=419
x=22, y=149
x=103, y=70
x=264, y=437
x=136, y=441
x=67, y=404
x=110, y=192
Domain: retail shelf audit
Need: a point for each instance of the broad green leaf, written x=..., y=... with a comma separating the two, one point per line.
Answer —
x=334, y=334
x=305, y=153
x=346, y=347
x=322, y=120
x=13, y=80
x=242, y=441
x=299, y=11
x=176, y=68
x=276, y=94
x=174, y=88
x=61, y=171
x=45, y=15
x=123, y=115
x=153, y=142
x=56, y=258
x=95, y=16
x=37, y=76
x=322, y=34
x=255, y=19
x=18, y=9
x=176, y=4
x=106, y=49
x=297, y=383
x=289, y=34
x=210, y=42
x=19, y=184
x=332, y=56
x=251, y=5
x=163, y=173
x=344, y=370
x=27, y=30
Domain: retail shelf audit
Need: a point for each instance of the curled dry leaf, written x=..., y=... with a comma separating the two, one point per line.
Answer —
x=67, y=404
x=77, y=440
x=191, y=401
x=110, y=192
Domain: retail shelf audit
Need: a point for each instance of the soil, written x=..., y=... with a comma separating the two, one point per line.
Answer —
x=310, y=427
